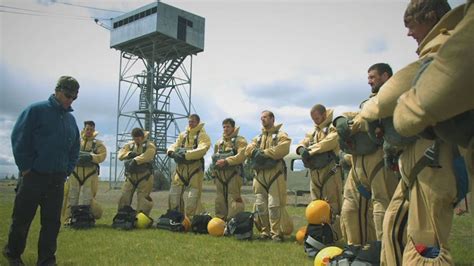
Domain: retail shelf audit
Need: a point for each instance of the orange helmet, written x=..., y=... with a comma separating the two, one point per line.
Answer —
x=186, y=223
x=216, y=227
x=318, y=212
x=300, y=234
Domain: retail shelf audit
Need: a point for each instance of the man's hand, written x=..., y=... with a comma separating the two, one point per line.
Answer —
x=221, y=163
x=304, y=152
x=85, y=157
x=171, y=154
x=132, y=155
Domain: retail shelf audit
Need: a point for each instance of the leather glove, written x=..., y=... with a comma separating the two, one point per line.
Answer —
x=132, y=155
x=85, y=157
x=256, y=152
x=179, y=157
x=130, y=165
x=304, y=152
x=171, y=154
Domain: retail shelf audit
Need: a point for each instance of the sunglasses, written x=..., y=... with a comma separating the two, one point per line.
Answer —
x=69, y=95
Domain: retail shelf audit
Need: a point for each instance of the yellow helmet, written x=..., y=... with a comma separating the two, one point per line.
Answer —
x=300, y=234
x=325, y=255
x=216, y=227
x=318, y=212
x=143, y=221
x=186, y=224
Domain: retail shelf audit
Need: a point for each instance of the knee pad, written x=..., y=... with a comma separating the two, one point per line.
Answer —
x=260, y=205
x=275, y=213
x=146, y=204
x=96, y=209
x=174, y=196
x=193, y=198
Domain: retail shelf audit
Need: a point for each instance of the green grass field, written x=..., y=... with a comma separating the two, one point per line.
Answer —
x=103, y=245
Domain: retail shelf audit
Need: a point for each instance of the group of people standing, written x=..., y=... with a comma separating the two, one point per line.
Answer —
x=410, y=147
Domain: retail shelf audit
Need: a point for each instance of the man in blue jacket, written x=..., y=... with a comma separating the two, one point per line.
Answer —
x=45, y=142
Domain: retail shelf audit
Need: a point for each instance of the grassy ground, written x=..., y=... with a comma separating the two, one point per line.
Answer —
x=106, y=246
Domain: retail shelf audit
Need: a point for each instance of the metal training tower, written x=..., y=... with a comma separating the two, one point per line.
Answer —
x=156, y=44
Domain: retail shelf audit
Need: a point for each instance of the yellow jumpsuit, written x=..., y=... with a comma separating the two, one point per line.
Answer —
x=82, y=185
x=189, y=175
x=442, y=91
x=140, y=181
x=269, y=185
x=230, y=178
x=326, y=182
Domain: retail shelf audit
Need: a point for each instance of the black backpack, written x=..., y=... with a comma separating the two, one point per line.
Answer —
x=317, y=237
x=125, y=218
x=172, y=220
x=199, y=223
x=241, y=226
x=81, y=217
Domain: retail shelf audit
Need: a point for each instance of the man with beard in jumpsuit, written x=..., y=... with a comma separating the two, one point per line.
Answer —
x=229, y=153
x=83, y=183
x=188, y=152
x=321, y=145
x=267, y=151
x=369, y=183
x=138, y=156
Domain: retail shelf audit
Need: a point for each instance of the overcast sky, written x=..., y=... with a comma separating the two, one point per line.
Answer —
x=284, y=56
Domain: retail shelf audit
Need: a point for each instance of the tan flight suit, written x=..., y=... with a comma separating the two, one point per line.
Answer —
x=83, y=183
x=269, y=185
x=439, y=94
x=229, y=179
x=326, y=182
x=141, y=180
x=362, y=213
x=189, y=175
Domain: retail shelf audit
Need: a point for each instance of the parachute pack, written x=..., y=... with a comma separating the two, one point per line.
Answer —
x=241, y=226
x=199, y=223
x=81, y=217
x=172, y=220
x=317, y=237
x=356, y=144
x=357, y=256
x=125, y=218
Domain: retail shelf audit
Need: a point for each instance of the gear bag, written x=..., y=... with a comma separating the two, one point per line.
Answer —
x=199, y=223
x=317, y=237
x=458, y=130
x=172, y=220
x=125, y=218
x=241, y=226
x=369, y=255
x=81, y=217
x=355, y=144
x=320, y=160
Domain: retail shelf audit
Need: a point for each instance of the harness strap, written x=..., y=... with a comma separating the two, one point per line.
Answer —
x=225, y=185
x=272, y=180
x=183, y=179
x=363, y=191
x=81, y=182
x=135, y=184
x=377, y=168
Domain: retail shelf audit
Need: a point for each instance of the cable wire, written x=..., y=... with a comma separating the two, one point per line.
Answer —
x=45, y=14
x=89, y=7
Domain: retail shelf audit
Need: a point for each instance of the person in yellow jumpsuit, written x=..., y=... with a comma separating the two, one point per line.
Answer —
x=266, y=152
x=188, y=152
x=229, y=155
x=82, y=185
x=138, y=156
x=319, y=150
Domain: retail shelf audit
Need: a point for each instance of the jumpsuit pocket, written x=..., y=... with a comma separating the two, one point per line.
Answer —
x=412, y=257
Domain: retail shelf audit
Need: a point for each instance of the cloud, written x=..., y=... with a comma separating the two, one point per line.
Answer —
x=377, y=46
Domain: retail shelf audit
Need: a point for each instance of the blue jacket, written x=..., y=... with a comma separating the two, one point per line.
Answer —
x=46, y=138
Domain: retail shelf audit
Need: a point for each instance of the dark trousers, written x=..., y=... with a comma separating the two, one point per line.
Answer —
x=36, y=189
